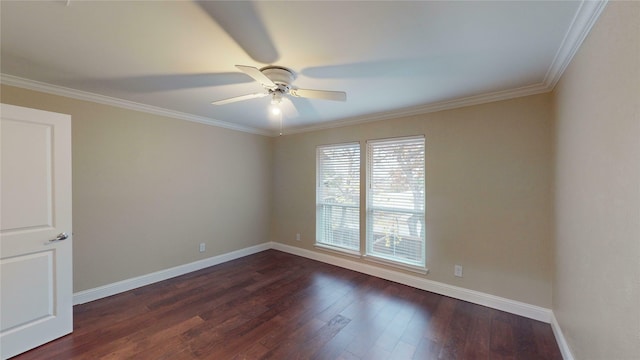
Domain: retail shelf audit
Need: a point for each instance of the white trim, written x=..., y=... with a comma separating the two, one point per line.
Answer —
x=125, y=104
x=338, y=250
x=370, y=255
x=333, y=146
x=395, y=264
x=418, y=110
x=396, y=139
x=472, y=296
x=136, y=282
x=562, y=342
x=429, y=108
x=585, y=18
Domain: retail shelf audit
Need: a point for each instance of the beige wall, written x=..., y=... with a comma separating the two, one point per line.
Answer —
x=596, y=297
x=148, y=189
x=488, y=195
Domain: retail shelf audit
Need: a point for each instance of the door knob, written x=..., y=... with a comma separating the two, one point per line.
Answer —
x=60, y=237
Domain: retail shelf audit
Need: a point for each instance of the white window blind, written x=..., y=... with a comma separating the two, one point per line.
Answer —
x=395, y=200
x=338, y=196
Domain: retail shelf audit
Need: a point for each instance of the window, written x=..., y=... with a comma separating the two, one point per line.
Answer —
x=338, y=196
x=395, y=200
x=395, y=213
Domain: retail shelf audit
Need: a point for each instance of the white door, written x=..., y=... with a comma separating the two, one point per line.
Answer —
x=35, y=195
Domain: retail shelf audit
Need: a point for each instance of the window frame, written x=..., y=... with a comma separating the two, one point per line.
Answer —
x=320, y=224
x=370, y=208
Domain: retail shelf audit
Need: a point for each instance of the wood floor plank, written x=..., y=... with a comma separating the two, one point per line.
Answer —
x=478, y=339
x=456, y=334
x=427, y=349
x=545, y=341
x=310, y=348
x=336, y=346
x=148, y=343
x=274, y=305
x=403, y=351
x=502, y=344
x=441, y=320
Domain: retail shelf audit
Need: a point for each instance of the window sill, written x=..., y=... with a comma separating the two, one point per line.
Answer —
x=338, y=250
x=397, y=265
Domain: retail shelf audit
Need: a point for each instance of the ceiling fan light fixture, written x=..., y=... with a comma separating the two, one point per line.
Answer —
x=276, y=98
x=276, y=81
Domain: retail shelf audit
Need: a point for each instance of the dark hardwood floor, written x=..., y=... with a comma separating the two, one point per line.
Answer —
x=274, y=305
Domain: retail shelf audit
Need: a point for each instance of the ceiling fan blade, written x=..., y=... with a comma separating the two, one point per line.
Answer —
x=161, y=82
x=320, y=94
x=242, y=21
x=258, y=76
x=239, y=98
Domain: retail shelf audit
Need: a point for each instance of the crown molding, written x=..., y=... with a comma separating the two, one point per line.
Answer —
x=394, y=114
x=586, y=16
x=429, y=108
x=588, y=13
x=581, y=25
x=125, y=104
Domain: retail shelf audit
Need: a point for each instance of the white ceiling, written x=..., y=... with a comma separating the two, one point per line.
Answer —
x=391, y=57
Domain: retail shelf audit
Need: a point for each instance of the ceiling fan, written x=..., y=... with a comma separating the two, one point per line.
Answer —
x=276, y=81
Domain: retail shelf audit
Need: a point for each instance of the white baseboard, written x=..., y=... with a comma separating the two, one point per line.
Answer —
x=472, y=296
x=136, y=282
x=562, y=342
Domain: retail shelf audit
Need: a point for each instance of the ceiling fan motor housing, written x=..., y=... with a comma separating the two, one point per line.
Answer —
x=281, y=76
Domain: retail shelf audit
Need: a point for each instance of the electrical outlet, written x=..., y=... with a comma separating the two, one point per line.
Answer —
x=297, y=236
x=202, y=247
x=457, y=270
